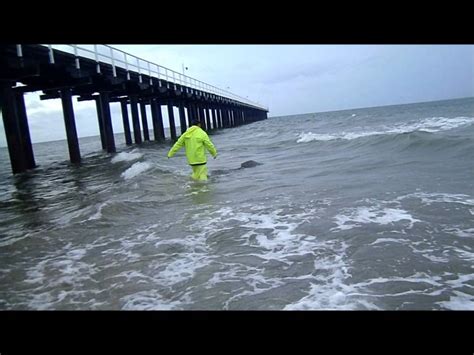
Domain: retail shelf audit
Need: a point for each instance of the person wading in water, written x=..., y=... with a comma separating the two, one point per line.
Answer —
x=195, y=140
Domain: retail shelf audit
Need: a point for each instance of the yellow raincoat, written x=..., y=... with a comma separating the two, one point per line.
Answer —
x=195, y=141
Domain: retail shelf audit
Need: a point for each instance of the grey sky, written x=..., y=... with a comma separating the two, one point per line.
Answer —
x=291, y=79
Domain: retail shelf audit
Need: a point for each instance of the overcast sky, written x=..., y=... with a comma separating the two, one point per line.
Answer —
x=291, y=79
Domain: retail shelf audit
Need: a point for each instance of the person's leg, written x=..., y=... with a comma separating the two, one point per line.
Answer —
x=203, y=174
x=199, y=172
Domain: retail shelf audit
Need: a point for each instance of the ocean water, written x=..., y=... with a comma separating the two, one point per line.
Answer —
x=359, y=209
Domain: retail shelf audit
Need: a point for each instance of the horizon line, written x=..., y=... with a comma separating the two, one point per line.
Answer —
x=360, y=108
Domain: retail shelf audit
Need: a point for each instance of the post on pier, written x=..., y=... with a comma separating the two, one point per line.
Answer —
x=208, y=118
x=146, y=133
x=104, y=98
x=171, y=120
x=237, y=117
x=197, y=112
x=157, y=118
x=193, y=110
x=182, y=117
x=187, y=108
x=214, y=117
x=226, y=119
x=229, y=117
x=18, y=159
x=135, y=120
x=219, y=117
x=126, y=122
x=204, y=117
x=100, y=119
x=200, y=116
x=211, y=116
x=249, y=115
x=25, y=131
x=232, y=116
x=70, y=124
x=238, y=114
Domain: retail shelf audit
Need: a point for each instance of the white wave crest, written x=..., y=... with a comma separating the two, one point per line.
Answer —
x=434, y=124
x=460, y=301
x=431, y=125
x=98, y=214
x=135, y=169
x=310, y=136
x=362, y=215
x=124, y=156
x=149, y=300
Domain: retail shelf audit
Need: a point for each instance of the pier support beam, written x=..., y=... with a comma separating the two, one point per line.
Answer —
x=25, y=131
x=209, y=115
x=126, y=122
x=219, y=117
x=214, y=117
x=232, y=117
x=135, y=120
x=248, y=116
x=187, y=106
x=209, y=118
x=188, y=113
x=70, y=124
x=107, y=122
x=189, y=110
x=200, y=114
x=16, y=150
x=100, y=119
x=157, y=118
x=238, y=114
x=171, y=120
x=182, y=117
x=238, y=117
x=206, y=117
x=146, y=133
x=225, y=116
x=194, y=113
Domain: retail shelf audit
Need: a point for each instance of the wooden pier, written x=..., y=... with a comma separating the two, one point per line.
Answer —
x=114, y=77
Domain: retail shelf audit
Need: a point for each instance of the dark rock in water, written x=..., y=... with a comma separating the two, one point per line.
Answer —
x=219, y=172
x=246, y=164
x=249, y=164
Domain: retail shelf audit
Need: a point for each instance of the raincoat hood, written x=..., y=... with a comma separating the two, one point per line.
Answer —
x=189, y=132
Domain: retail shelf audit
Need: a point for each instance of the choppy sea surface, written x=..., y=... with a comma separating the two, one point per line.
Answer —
x=358, y=209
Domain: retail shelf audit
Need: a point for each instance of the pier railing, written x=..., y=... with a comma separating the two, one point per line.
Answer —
x=117, y=58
